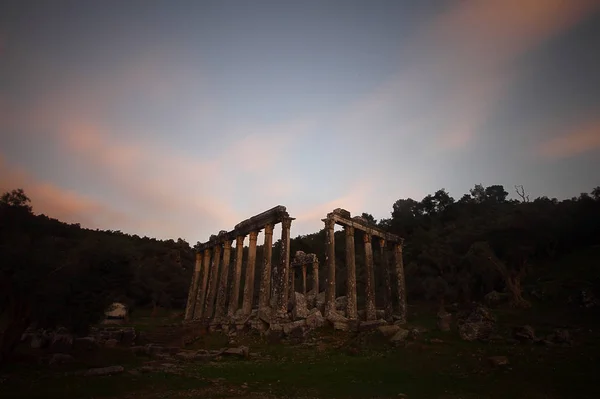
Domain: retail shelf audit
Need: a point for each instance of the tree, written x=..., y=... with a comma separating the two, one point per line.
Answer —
x=16, y=198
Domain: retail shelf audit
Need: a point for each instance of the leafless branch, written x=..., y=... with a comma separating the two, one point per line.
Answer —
x=521, y=193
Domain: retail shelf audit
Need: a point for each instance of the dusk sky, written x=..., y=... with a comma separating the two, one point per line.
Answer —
x=182, y=118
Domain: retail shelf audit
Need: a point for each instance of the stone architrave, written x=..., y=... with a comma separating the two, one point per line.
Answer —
x=213, y=279
x=330, y=261
x=250, y=272
x=234, y=293
x=284, y=267
x=351, y=310
x=222, y=290
x=387, y=294
x=371, y=311
x=401, y=285
x=265, y=283
x=201, y=295
x=191, y=302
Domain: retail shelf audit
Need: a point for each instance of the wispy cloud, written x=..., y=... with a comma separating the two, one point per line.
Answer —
x=581, y=139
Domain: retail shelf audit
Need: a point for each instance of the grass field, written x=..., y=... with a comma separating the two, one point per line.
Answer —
x=344, y=365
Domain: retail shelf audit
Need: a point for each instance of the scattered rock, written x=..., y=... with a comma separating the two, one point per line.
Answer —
x=61, y=343
x=111, y=343
x=294, y=328
x=241, y=351
x=399, y=337
x=388, y=331
x=498, y=360
x=444, y=321
x=561, y=336
x=315, y=320
x=300, y=309
x=477, y=323
x=320, y=301
x=111, y=370
x=524, y=334
x=85, y=343
x=341, y=303
x=186, y=355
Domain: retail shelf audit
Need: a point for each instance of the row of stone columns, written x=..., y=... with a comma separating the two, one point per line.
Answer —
x=302, y=261
x=371, y=310
x=215, y=289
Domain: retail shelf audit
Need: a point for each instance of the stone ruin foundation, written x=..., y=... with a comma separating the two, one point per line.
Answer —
x=216, y=286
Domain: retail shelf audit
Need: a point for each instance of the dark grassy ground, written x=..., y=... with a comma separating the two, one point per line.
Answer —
x=346, y=366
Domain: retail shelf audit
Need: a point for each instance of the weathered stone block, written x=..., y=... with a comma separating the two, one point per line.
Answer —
x=111, y=343
x=61, y=343
x=242, y=351
x=315, y=320
x=289, y=328
x=388, y=331
x=85, y=344
x=111, y=370
x=299, y=306
x=444, y=321
x=60, y=358
x=341, y=303
x=400, y=337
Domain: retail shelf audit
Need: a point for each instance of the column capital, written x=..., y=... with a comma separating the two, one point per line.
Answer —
x=382, y=242
x=366, y=238
x=269, y=229
x=286, y=222
x=253, y=235
x=329, y=223
x=227, y=244
x=239, y=240
x=349, y=230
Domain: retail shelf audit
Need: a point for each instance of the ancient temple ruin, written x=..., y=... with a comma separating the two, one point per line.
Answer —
x=216, y=286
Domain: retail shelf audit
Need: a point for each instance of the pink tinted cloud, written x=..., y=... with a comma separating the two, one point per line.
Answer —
x=56, y=202
x=582, y=139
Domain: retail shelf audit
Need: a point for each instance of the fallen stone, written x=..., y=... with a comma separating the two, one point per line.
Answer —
x=341, y=326
x=111, y=370
x=380, y=313
x=85, y=343
x=333, y=317
x=495, y=298
x=264, y=314
x=60, y=358
x=320, y=301
x=478, y=323
x=561, y=336
x=388, y=331
x=139, y=350
x=241, y=351
x=61, y=343
x=371, y=325
x=299, y=306
x=444, y=320
x=341, y=303
x=111, y=343
x=399, y=337
x=524, y=334
x=315, y=320
x=186, y=355
x=498, y=360
x=292, y=327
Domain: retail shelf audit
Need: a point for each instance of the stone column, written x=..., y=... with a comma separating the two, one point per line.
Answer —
x=370, y=272
x=250, y=271
x=213, y=279
x=234, y=293
x=387, y=294
x=201, y=295
x=315, y=273
x=222, y=290
x=401, y=286
x=351, y=309
x=304, y=280
x=284, y=267
x=191, y=301
x=265, y=282
x=330, y=261
x=292, y=288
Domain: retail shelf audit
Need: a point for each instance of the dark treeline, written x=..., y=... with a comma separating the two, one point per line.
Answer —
x=58, y=274
x=460, y=250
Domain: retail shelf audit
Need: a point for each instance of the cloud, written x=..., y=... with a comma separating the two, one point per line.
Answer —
x=582, y=139
x=65, y=205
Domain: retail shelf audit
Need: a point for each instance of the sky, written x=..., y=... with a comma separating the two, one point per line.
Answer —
x=181, y=118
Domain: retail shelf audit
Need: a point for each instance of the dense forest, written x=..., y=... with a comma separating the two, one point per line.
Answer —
x=53, y=273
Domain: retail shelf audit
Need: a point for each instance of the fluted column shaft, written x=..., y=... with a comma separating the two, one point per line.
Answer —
x=201, y=295
x=234, y=295
x=213, y=279
x=401, y=285
x=370, y=272
x=387, y=294
x=265, y=283
x=351, y=308
x=284, y=267
x=250, y=271
x=222, y=290
x=330, y=261
x=191, y=301
x=315, y=276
